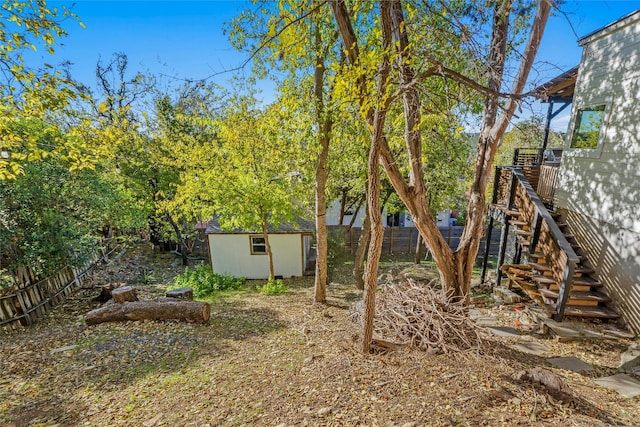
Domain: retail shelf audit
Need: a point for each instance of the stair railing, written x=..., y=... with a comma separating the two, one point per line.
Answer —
x=560, y=256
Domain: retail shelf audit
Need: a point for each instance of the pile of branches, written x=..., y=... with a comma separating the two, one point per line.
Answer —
x=421, y=316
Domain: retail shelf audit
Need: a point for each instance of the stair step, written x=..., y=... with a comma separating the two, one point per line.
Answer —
x=580, y=284
x=512, y=212
x=536, y=255
x=540, y=267
x=586, y=281
x=522, y=233
x=544, y=280
x=579, y=270
x=583, y=311
x=523, y=242
x=584, y=269
x=580, y=298
x=518, y=223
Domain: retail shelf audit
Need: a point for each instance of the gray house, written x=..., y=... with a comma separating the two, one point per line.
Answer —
x=576, y=221
x=598, y=187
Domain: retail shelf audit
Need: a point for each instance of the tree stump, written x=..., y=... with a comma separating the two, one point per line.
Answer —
x=181, y=293
x=124, y=294
x=105, y=292
x=555, y=385
x=165, y=309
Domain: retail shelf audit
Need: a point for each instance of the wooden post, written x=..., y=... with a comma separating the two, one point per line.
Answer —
x=535, y=232
x=27, y=316
x=505, y=229
x=565, y=289
x=547, y=127
x=487, y=246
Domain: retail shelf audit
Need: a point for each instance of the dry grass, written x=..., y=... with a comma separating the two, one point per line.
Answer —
x=278, y=361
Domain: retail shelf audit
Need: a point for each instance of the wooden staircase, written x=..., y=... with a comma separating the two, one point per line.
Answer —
x=557, y=273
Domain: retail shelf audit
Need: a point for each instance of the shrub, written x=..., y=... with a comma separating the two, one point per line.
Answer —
x=204, y=282
x=273, y=287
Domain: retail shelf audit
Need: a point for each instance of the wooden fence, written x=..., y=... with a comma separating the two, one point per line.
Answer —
x=402, y=240
x=29, y=302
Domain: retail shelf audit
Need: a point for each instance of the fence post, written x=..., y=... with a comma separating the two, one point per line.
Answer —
x=27, y=316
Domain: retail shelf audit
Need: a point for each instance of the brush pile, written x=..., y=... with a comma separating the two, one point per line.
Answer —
x=419, y=315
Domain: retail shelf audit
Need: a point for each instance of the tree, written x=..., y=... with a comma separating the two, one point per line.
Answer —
x=292, y=37
x=254, y=175
x=50, y=216
x=32, y=92
x=414, y=70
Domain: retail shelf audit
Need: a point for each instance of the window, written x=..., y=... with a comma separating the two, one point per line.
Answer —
x=586, y=130
x=258, y=245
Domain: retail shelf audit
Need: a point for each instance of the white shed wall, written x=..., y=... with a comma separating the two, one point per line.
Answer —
x=231, y=254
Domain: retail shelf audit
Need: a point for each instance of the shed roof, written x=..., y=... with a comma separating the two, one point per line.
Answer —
x=558, y=89
x=301, y=226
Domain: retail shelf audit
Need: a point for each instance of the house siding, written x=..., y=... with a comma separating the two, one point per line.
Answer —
x=600, y=189
x=231, y=254
x=615, y=254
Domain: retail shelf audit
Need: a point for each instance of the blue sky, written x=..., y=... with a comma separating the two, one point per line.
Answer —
x=185, y=38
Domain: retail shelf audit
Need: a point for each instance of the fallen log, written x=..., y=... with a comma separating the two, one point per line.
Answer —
x=167, y=309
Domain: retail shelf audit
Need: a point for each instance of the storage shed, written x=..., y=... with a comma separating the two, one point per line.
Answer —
x=243, y=253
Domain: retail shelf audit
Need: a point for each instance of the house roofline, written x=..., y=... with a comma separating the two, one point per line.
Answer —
x=615, y=25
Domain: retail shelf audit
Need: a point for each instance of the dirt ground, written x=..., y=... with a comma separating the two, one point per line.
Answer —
x=279, y=361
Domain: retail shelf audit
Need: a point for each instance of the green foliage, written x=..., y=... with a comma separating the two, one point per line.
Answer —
x=273, y=287
x=33, y=92
x=526, y=134
x=49, y=216
x=147, y=277
x=204, y=282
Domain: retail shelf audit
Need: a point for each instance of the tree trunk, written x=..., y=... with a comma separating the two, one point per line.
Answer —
x=343, y=201
x=356, y=211
x=377, y=117
x=182, y=247
x=363, y=246
x=375, y=247
x=188, y=311
x=325, y=124
x=265, y=233
x=455, y=268
x=418, y=256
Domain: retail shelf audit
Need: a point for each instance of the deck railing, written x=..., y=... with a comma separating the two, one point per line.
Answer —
x=547, y=182
x=545, y=233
